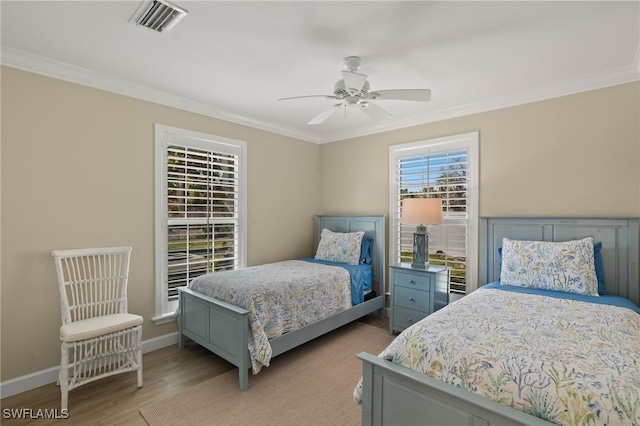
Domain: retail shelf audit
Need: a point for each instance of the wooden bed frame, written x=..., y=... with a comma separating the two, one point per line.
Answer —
x=394, y=394
x=224, y=328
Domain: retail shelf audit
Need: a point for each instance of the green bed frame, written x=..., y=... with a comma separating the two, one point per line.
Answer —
x=396, y=395
x=224, y=328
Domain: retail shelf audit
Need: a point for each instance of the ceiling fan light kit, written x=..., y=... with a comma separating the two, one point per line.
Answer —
x=354, y=91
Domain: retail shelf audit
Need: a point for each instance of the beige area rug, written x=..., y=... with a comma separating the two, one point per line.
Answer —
x=309, y=385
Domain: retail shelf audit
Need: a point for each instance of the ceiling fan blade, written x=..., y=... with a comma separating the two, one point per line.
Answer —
x=353, y=80
x=375, y=112
x=324, y=114
x=420, y=95
x=309, y=96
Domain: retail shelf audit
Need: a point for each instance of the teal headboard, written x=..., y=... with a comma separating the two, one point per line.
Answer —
x=373, y=227
x=619, y=246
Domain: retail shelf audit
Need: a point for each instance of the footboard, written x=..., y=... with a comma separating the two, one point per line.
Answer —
x=218, y=326
x=393, y=394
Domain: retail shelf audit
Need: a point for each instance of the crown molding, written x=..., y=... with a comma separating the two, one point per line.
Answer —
x=83, y=76
x=569, y=87
x=63, y=71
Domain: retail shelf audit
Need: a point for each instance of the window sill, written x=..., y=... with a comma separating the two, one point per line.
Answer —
x=164, y=319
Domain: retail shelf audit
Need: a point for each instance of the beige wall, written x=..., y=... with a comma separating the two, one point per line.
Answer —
x=576, y=156
x=573, y=156
x=77, y=171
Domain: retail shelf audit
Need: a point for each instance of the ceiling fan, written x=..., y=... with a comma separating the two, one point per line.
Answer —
x=354, y=91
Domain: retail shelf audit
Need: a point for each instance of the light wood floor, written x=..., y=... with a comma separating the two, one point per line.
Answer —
x=116, y=400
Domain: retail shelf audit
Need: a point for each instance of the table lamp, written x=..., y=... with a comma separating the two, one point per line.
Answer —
x=421, y=212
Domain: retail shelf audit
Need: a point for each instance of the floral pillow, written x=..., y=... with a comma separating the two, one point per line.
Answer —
x=566, y=266
x=340, y=247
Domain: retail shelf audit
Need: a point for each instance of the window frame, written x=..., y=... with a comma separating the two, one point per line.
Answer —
x=164, y=137
x=466, y=141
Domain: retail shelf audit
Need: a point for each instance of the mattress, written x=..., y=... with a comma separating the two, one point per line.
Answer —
x=361, y=277
x=565, y=360
x=280, y=297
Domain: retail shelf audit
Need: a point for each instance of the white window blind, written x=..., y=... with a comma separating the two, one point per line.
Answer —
x=439, y=168
x=200, y=218
x=202, y=214
x=439, y=175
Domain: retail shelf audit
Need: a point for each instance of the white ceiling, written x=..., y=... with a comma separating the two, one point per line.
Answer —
x=234, y=59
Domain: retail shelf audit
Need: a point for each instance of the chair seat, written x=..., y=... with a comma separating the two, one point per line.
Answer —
x=97, y=326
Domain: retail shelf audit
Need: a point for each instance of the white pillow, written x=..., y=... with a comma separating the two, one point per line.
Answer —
x=340, y=247
x=566, y=266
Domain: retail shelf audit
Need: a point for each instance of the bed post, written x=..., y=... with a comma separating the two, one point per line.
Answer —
x=245, y=361
x=181, y=337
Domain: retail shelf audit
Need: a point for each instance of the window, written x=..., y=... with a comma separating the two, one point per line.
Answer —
x=445, y=168
x=200, y=210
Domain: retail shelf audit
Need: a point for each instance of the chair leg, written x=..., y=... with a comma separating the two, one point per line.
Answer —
x=139, y=356
x=139, y=361
x=140, y=376
x=64, y=401
x=63, y=378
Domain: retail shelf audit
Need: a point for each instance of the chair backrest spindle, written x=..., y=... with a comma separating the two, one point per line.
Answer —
x=92, y=282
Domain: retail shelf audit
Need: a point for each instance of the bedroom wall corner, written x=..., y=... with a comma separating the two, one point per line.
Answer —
x=572, y=156
x=77, y=171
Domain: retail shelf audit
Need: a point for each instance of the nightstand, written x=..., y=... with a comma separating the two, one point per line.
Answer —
x=416, y=293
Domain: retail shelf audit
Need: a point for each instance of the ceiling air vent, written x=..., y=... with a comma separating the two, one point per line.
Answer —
x=158, y=15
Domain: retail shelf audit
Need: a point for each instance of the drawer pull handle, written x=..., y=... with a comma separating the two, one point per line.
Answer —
x=412, y=282
x=410, y=319
x=411, y=299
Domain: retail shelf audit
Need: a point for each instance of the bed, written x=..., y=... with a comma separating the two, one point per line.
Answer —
x=224, y=328
x=593, y=377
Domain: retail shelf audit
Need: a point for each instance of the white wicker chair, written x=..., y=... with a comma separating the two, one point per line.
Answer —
x=99, y=337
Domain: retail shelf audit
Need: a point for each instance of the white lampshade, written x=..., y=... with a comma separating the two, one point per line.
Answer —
x=422, y=211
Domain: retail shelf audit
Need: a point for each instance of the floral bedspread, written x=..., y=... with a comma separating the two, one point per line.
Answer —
x=565, y=361
x=280, y=297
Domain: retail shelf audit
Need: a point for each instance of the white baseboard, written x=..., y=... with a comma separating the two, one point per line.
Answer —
x=28, y=382
x=160, y=342
x=50, y=375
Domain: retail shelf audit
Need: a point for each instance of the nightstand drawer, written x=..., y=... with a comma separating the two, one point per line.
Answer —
x=403, y=317
x=415, y=293
x=412, y=298
x=419, y=281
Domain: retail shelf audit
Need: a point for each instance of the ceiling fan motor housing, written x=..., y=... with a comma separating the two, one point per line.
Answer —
x=352, y=63
x=354, y=91
x=340, y=91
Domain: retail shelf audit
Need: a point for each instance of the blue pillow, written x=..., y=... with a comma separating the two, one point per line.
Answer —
x=365, y=250
x=597, y=260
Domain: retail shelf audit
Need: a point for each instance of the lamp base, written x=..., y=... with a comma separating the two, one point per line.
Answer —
x=420, y=251
x=416, y=265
